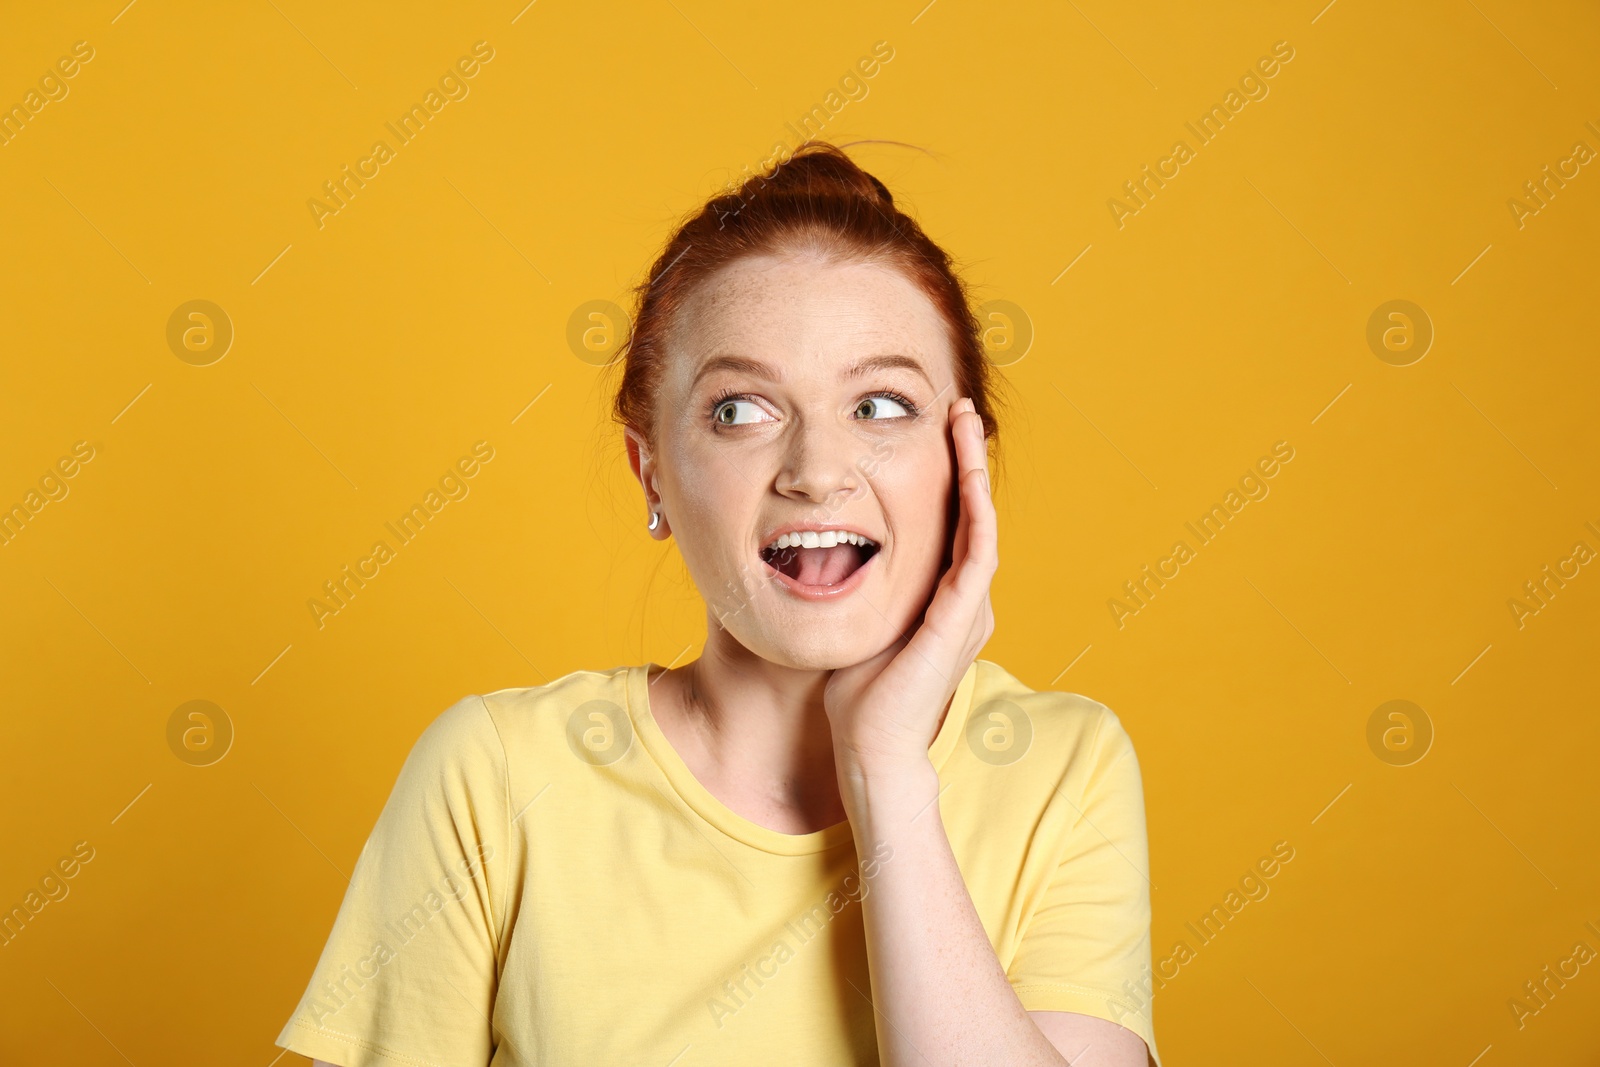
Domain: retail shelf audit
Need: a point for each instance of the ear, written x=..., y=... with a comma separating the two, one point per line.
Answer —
x=643, y=464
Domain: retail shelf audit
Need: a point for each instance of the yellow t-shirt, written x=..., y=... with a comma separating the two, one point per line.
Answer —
x=549, y=884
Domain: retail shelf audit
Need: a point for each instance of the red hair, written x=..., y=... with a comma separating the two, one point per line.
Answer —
x=816, y=200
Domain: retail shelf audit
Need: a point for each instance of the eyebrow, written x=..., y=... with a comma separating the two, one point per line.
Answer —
x=758, y=369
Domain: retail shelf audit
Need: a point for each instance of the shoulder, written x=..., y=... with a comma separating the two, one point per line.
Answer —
x=518, y=710
x=477, y=727
x=1072, y=738
x=1060, y=717
x=485, y=741
x=535, y=726
x=459, y=749
x=567, y=691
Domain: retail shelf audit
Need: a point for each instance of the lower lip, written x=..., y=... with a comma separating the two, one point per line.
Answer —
x=823, y=592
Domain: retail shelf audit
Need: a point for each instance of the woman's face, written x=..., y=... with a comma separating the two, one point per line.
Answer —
x=806, y=392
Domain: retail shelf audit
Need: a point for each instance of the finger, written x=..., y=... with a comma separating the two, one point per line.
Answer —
x=958, y=602
x=970, y=452
x=971, y=446
x=978, y=526
x=959, y=547
x=978, y=564
x=974, y=575
x=943, y=620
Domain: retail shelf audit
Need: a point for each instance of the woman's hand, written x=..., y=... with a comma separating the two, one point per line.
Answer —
x=885, y=711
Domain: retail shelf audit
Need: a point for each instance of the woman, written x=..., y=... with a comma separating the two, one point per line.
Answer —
x=836, y=837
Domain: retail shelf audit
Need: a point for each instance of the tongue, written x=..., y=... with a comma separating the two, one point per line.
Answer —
x=820, y=566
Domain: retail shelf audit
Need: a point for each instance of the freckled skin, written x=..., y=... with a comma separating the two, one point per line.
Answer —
x=813, y=447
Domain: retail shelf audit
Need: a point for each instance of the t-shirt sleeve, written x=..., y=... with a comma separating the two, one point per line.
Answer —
x=409, y=972
x=1087, y=947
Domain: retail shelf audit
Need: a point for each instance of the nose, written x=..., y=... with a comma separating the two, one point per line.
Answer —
x=819, y=463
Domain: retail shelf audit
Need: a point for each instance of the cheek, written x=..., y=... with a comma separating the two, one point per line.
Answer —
x=712, y=495
x=916, y=498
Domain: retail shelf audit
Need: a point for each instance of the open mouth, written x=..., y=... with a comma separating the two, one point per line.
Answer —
x=822, y=559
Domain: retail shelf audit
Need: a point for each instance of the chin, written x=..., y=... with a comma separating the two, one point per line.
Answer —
x=830, y=648
x=816, y=662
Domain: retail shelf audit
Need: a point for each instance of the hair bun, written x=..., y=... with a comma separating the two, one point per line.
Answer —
x=818, y=168
x=883, y=190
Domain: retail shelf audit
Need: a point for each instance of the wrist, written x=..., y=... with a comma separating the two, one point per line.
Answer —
x=887, y=783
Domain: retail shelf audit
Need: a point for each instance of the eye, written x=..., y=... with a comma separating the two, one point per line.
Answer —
x=725, y=411
x=885, y=405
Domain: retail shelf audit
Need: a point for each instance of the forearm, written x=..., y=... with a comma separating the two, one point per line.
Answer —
x=940, y=995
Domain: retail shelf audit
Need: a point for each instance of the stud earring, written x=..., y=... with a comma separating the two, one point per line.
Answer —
x=655, y=519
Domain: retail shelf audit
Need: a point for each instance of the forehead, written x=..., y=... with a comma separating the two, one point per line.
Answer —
x=809, y=309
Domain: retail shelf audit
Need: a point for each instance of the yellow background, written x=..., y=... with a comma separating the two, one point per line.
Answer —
x=1229, y=313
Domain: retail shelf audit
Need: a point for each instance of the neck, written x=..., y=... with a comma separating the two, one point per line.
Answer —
x=755, y=733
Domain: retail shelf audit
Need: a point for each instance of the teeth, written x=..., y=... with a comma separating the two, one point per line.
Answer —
x=824, y=539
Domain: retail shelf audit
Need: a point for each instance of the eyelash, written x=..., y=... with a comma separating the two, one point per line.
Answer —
x=733, y=394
